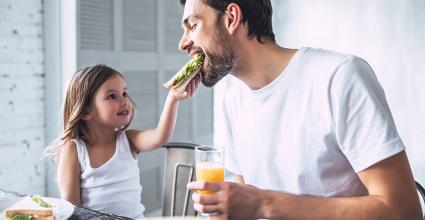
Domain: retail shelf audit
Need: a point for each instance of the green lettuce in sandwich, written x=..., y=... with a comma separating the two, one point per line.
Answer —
x=182, y=78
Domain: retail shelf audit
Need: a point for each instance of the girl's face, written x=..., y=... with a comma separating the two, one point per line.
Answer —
x=111, y=106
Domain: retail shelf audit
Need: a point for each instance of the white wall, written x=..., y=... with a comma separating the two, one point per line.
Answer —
x=389, y=34
x=21, y=96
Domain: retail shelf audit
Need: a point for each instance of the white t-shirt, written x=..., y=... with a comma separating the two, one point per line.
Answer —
x=310, y=130
x=115, y=186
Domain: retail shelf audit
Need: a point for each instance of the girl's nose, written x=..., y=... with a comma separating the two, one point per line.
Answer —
x=124, y=101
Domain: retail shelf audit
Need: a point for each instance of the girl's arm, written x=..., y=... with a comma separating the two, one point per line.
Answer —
x=153, y=138
x=69, y=174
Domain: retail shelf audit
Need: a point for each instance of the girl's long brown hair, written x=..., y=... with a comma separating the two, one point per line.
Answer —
x=79, y=95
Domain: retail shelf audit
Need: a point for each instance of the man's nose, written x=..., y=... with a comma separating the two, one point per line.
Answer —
x=185, y=43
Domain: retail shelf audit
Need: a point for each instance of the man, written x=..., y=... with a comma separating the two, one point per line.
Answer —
x=309, y=134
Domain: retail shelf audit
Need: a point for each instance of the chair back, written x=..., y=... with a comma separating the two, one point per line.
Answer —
x=179, y=170
x=421, y=191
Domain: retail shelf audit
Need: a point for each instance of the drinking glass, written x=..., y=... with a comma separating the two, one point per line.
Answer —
x=209, y=165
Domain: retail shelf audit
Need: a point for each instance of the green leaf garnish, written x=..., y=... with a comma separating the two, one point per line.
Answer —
x=37, y=199
x=189, y=68
x=20, y=217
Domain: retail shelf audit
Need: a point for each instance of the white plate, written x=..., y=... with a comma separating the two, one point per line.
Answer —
x=63, y=209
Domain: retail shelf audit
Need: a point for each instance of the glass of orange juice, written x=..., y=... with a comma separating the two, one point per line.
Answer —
x=209, y=165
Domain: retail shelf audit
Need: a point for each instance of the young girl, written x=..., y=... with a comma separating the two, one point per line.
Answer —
x=97, y=166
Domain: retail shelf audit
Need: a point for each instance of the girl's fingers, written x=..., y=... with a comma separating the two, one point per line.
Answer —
x=190, y=88
x=193, y=87
x=196, y=85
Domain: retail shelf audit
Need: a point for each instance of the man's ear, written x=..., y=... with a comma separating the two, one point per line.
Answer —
x=233, y=18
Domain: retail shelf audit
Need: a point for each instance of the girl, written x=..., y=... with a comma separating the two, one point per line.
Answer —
x=97, y=166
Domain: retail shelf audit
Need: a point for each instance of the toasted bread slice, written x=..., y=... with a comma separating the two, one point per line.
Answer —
x=27, y=206
x=182, y=78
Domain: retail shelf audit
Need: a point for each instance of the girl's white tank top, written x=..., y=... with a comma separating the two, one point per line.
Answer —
x=115, y=186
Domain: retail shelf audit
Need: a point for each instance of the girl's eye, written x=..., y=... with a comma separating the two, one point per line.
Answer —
x=112, y=96
x=193, y=27
x=125, y=94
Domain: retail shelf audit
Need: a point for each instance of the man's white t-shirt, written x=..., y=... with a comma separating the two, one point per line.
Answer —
x=310, y=131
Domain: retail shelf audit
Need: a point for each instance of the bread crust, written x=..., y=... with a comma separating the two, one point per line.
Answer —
x=27, y=206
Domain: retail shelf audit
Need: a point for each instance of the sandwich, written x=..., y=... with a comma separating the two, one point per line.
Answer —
x=182, y=78
x=33, y=208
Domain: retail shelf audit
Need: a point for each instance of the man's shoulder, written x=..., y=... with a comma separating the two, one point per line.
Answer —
x=328, y=62
x=324, y=56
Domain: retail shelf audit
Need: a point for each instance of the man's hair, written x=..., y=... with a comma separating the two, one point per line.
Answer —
x=257, y=13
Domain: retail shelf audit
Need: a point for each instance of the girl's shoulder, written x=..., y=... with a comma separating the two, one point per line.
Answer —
x=68, y=148
x=68, y=154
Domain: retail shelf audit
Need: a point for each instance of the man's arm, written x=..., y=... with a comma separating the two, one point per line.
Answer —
x=392, y=195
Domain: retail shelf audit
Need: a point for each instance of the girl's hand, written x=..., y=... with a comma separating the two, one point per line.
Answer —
x=190, y=89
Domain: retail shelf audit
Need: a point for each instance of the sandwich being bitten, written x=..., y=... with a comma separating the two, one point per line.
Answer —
x=33, y=208
x=182, y=78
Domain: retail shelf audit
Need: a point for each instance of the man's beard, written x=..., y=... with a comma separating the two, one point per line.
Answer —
x=218, y=65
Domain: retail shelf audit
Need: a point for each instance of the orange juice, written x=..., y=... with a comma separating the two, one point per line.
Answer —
x=209, y=172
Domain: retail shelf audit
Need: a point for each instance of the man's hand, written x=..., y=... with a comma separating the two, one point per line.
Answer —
x=231, y=200
x=392, y=196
